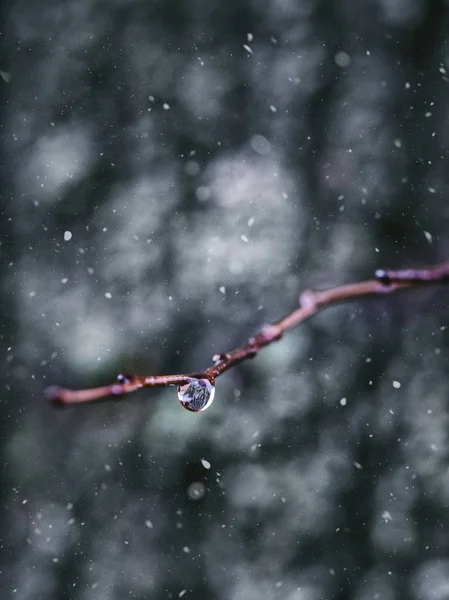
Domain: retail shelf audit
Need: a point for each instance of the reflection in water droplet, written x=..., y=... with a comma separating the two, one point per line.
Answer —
x=197, y=395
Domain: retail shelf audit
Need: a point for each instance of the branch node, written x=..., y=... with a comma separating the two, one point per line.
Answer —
x=308, y=299
x=123, y=378
x=221, y=356
x=382, y=276
x=272, y=333
x=117, y=390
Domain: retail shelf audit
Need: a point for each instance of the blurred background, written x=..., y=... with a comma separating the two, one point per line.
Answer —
x=173, y=175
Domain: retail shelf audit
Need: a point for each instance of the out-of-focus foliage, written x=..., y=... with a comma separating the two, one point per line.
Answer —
x=173, y=175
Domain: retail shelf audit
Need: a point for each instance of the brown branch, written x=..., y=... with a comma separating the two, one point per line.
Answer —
x=196, y=390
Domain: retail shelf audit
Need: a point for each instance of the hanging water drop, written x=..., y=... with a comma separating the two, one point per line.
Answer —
x=197, y=395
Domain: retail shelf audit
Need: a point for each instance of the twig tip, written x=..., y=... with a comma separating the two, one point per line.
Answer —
x=55, y=395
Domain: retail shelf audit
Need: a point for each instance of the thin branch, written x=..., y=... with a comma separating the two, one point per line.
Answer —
x=196, y=390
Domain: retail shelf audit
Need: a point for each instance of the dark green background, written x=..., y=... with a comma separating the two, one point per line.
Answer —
x=205, y=185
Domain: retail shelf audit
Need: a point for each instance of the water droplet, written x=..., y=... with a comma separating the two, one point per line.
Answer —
x=197, y=395
x=196, y=491
x=5, y=76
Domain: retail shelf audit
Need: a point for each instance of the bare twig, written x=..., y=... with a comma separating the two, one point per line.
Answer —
x=196, y=390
